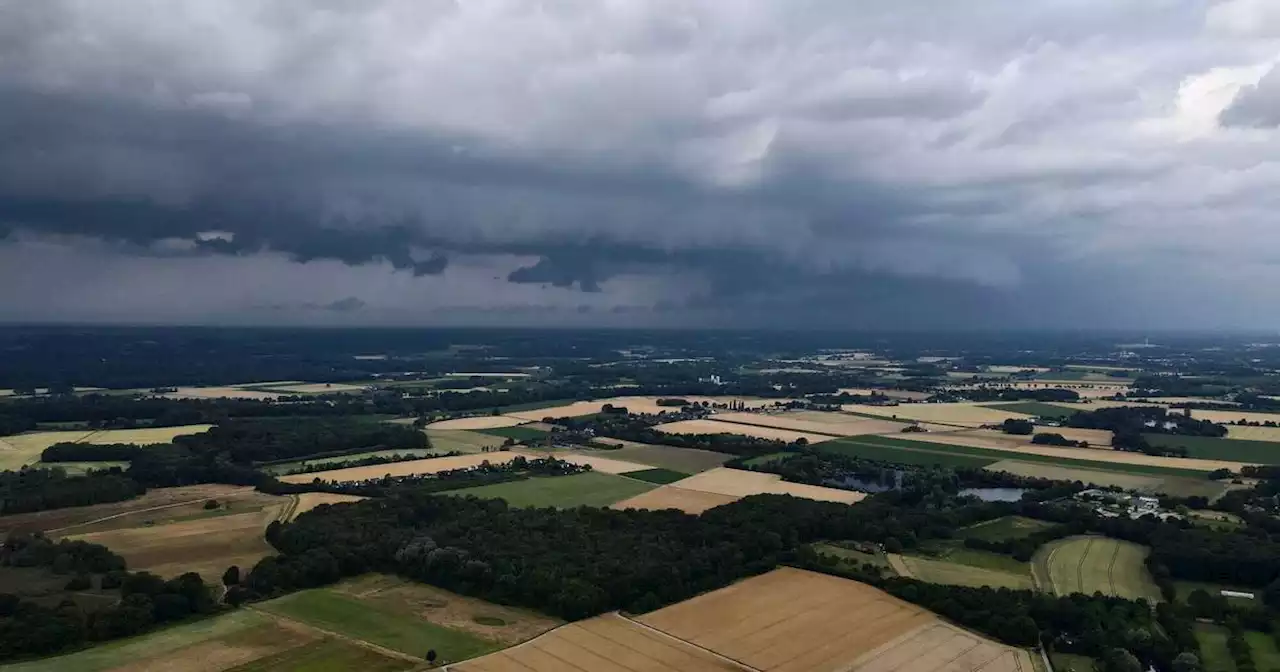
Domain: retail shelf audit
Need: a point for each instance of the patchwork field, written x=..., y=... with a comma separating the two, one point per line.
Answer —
x=586, y=489
x=449, y=440
x=1173, y=485
x=1036, y=408
x=671, y=497
x=310, y=500
x=156, y=504
x=1095, y=564
x=21, y=449
x=428, y=466
x=1206, y=447
x=717, y=427
x=633, y=405
x=205, y=544
x=286, y=467
x=792, y=620
x=958, y=414
x=816, y=422
x=739, y=483
x=608, y=643
x=477, y=422
x=687, y=460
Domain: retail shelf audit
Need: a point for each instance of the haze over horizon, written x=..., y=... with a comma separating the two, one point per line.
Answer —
x=1061, y=164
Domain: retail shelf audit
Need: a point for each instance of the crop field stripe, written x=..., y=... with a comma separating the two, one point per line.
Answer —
x=761, y=424
x=999, y=455
x=1215, y=448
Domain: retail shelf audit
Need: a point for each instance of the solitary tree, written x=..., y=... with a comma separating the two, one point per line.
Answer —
x=231, y=577
x=431, y=656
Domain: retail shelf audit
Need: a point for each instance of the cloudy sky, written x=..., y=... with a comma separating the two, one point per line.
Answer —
x=882, y=163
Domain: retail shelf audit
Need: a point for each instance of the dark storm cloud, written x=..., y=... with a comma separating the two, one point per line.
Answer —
x=735, y=161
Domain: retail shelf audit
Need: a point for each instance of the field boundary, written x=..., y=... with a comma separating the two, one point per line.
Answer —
x=688, y=643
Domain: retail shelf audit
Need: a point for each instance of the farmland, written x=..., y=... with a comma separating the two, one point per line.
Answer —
x=585, y=489
x=608, y=643
x=716, y=427
x=1250, y=433
x=1210, y=448
x=659, y=476
x=956, y=414
x=815, y=422
x=477, y=422
x=1004, y=529
x=310, y=500
x=286, y=467
x=1036, y=408
x=739, y=483
x=528, y=435
x=449, y=440
x=687, y=460
x=21, y=449
x=635, y=404
x=426, y=466
x=1089, y=564
x=784, y=621
x=331, y=611
x=1213, y=648
x=672, y=497
x=162, y=502
x=959, y=574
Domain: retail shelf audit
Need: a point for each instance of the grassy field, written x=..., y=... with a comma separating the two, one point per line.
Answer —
x=1003, y=529
x=21, y=449
x=1263, y=647
x=123, y=652
x=900, y=450
x=1095, y=564
x=1070, y=662
x=587, y=489
x=1210, y=448
x=659, y=476
x=1185, y=588
x=951, y=572
x=521, y=434
x=328, y=655
x=327, y=610
x=461, y=440
x=1037, y=408
x=1214, y=655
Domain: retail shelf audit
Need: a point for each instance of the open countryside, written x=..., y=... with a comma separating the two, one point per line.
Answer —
x=1096, y=564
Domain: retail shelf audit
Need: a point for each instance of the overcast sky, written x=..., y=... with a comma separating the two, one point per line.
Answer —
x=882, y=163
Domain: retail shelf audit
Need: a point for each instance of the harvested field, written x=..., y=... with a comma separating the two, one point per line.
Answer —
x=207, y=545
x=505, y=625
x=956, y=574
x=586, y=489
x=687, y=460
x=428, y=466
x=892, y=394
x=1094, y=476
x=21, y=449
x=218, y=393
x=716, y=427
x=316, y=388
x=739, y=483
x=449, y=440
x=836, y=424
x=997, y=440
x=1089, y=564
x=157, y=502
x=1036, y=408
x=1234, y=416
x=604, y=465
x=608, y=643
x=792, y=620
x=672, y=497
x=959, y=414
x=1269, y=434
x=478, y=422
x=310, y=500
x=635, y=405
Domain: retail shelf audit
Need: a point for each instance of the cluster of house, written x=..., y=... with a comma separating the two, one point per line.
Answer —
x=1112, y=504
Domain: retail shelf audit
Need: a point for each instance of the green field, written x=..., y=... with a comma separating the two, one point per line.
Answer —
x=1003, y=529
x=1263, y=648
x=535, y=405
x=955, y=573
x=327, y=610
x=1211, y=448
x=659, y=476
x=899, y=450
x=328, y=655
x=587, y=489
x=888, y=453
x=1037, y=408
x=1070, y=662
x=1096, y=564
x=519, y=433
x=126, y=651
x=1214, y=654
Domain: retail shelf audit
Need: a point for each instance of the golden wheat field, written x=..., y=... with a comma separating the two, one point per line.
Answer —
x=478, y=422
x=1253, y=433
x=608, y=643
x=429, y=465
x=310, y=500
x=218, y=393
x=715, y=427
x=791, y=620
x=740, y=483
x=1234, y=416
x=21, y=449
x=959, y=414
x=672, y=497
x=817, y=422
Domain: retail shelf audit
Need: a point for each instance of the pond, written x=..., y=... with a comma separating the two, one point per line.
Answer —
x=995, y=494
